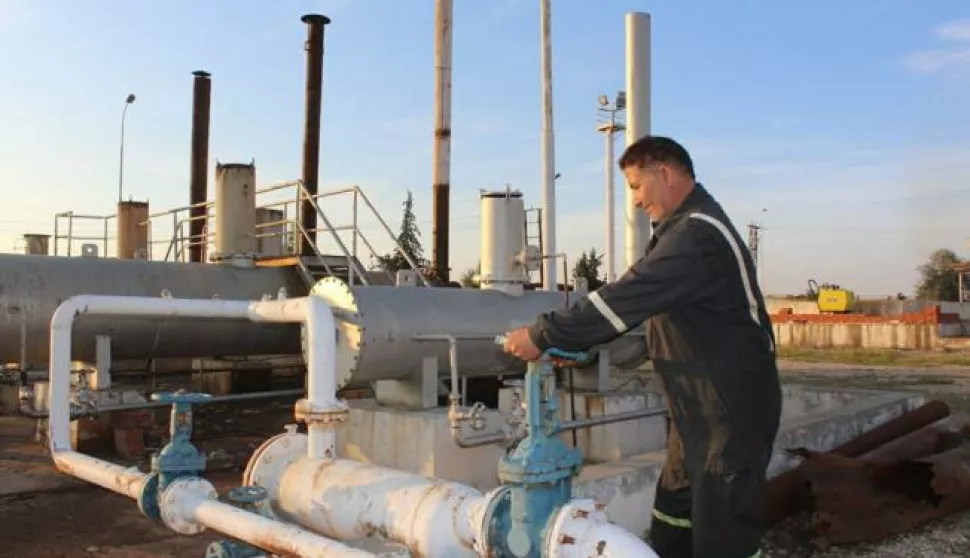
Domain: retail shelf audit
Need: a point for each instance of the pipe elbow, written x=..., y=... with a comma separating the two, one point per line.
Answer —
x=581, y=529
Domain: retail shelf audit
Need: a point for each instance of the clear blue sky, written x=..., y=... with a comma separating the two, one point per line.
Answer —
x=847, y=121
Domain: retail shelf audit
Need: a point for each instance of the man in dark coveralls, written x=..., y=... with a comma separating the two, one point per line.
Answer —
x=712, y=346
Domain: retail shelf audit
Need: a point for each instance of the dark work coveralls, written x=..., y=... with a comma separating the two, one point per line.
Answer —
x=711, y=343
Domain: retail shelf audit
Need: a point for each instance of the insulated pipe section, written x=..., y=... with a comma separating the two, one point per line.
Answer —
x=349, y=500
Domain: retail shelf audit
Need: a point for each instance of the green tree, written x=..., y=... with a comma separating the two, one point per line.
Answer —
x=938, y=280
x=588, y=267
x=409, y=240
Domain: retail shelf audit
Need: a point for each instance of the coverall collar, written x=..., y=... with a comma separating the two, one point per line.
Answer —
x=696, y=197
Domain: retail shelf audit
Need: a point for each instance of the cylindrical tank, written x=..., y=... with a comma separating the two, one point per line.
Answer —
x=132, y=238
x=377, y=326
x=503, y=239
x=37, y=244
x=235, y=209
x=36, y=285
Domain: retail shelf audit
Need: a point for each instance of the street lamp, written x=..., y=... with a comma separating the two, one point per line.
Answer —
x=609, y=128
x=121, y=162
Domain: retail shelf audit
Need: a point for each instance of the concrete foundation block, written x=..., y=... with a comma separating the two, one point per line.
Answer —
x=419, y=442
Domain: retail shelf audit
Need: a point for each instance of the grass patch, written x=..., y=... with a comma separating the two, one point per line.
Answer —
x=876, y=357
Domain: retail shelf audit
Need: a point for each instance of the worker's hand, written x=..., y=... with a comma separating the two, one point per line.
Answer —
x=518, y=343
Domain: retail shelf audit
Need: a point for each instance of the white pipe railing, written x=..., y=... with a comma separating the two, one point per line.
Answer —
x=188, y=505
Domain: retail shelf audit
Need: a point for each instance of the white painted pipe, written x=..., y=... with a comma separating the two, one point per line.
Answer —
x=189, y=503
x=349, y=500
x=549, y=281
x=581, y=530
x=637, y=230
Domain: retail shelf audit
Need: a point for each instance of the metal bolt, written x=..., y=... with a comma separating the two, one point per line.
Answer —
x=566, y=539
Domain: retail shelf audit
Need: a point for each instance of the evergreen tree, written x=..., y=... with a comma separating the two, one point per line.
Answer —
x=409, y=239
x=588, y=267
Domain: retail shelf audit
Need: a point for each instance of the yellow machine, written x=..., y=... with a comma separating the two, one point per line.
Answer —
x=831, y=299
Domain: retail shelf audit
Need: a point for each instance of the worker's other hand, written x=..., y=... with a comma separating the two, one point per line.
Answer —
x=518, y=343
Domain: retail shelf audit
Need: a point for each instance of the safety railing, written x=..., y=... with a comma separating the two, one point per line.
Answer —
x=279, y=230
x=71, y=228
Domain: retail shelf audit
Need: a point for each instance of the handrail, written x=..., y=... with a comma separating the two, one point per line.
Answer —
x=285, y=225
x=400, y=248
x=351, y=261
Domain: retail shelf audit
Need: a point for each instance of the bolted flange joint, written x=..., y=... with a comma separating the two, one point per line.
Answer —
x=333, y=412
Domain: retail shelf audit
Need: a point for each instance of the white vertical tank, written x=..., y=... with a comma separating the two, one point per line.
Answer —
x=235, y=210
x=503, y=242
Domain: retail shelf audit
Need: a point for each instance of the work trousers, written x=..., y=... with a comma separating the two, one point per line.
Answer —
x=710, y=498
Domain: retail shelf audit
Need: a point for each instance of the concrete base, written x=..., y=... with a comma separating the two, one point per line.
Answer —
x=418, y=442
x=624, y=459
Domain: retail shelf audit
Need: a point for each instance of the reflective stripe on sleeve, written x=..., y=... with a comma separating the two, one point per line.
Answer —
x=607, y=312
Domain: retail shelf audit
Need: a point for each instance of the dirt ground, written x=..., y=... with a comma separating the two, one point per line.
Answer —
x=44, y=514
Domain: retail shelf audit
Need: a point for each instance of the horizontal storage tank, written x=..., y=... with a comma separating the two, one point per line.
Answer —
x=32, y=287
x=377, y=327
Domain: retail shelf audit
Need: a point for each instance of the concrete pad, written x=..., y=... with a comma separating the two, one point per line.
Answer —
x=418, y=442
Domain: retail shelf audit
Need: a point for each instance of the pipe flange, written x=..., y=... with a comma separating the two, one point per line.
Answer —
x=335, y=412
x=175, y=501
x=569, y=525
x=270, y=461
x=493, y=520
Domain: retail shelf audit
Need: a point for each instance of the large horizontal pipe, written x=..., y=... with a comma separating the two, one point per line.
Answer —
x=385, y=331
x=33, y=287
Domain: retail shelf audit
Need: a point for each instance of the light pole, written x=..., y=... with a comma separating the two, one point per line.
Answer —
x=121, y=157
x=609, y=128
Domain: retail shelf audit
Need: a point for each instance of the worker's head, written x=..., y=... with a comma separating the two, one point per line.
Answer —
x=660, y=173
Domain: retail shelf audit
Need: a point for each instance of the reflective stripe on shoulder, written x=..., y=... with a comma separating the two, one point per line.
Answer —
x=742, y=269
x=607, y=312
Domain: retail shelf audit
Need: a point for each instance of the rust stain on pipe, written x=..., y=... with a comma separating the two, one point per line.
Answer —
x=789, y=492
x=858, y=501
x=942, y=435
x=311, y=127
x=198, y=180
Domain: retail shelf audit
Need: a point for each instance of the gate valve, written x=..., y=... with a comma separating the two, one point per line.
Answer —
x=179, y=458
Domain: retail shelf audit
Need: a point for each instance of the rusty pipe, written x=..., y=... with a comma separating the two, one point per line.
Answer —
x=199, y=165
x=942, y=435
x=311, y=129
x=788, y=492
